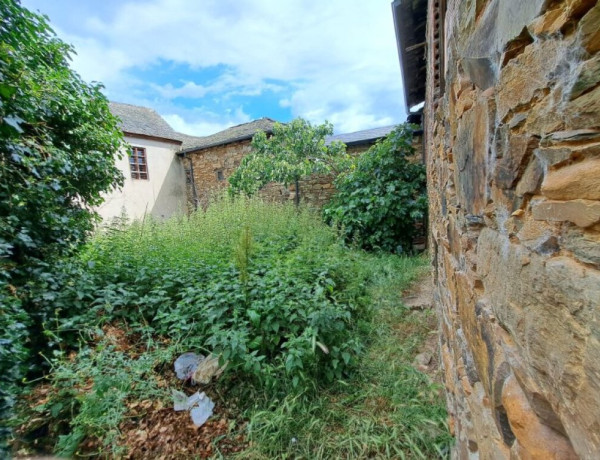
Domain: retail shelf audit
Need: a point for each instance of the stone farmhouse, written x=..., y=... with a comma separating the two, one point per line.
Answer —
x=511, y=92
x=167, y=172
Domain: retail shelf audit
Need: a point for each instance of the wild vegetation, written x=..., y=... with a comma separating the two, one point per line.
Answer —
x=384, y=408
x=57, y=146
x=305, y=326
x=298, y=319
x=295, y=150
x=382, y=196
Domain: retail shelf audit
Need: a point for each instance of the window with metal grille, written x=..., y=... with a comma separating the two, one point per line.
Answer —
x=138, y=163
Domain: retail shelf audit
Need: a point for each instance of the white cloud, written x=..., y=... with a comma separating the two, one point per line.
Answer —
x=227, y=85
x=339, y=56
x=206, y=123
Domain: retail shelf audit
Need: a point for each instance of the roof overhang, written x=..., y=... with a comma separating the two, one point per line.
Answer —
x=410, y=23
x=216, y=144
x=231, y=140
x=153, y=138
x=362, y=142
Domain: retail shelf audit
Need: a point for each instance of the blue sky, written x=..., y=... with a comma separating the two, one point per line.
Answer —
x=205, y=65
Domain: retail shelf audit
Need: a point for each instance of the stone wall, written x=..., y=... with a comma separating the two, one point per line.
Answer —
x=513, y=157
x=213, y=166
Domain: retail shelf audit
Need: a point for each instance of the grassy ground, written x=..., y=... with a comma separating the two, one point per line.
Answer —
x=317, y=344
x=387, y=409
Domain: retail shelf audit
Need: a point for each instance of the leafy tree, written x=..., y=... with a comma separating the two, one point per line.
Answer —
x=58, y=141
x=295, y=150
x=379, y=200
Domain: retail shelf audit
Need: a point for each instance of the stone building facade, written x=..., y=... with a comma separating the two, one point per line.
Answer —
x=210, y=161
x=512, y=126
x=209, y=170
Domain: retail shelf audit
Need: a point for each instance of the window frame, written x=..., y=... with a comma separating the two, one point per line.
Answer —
x=138, y=163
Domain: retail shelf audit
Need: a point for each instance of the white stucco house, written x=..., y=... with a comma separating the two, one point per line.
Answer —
x=155, y=182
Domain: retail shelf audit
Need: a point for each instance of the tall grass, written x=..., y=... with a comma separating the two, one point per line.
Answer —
x=212, y=235
x=386, y=409
x=317, y=347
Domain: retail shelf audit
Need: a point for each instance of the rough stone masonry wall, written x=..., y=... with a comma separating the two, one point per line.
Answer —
x=212, y=168
x=513, y=148
x=207, y=163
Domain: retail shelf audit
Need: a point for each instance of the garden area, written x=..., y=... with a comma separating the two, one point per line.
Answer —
x=316, y=347
x=244, y=330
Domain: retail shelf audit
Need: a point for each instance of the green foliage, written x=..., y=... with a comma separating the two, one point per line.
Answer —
x=295, y=150
x=381, y=197
x=316, y=344
x=386, y=409
x=95, y=388
x=57, y=145
x=258, y=284
x=265, y=287
x=14, y=322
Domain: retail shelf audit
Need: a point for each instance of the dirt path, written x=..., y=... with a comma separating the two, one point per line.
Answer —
x=419, y=298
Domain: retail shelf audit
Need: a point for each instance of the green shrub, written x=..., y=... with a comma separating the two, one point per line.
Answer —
x=266, y=287
x=57, y=145
x=387, y=409
x=381, y=198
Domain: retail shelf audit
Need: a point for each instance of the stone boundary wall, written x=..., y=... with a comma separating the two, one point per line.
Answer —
x=213, y=166
x=513, y=147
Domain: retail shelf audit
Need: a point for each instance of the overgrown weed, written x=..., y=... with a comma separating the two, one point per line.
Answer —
x=385, y=409
x=307, y=327
x=265, y=287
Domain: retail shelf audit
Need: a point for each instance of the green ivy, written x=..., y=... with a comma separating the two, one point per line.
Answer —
x=379, y=200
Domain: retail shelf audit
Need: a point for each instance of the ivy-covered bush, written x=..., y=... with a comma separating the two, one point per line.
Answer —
x=381, y=198
x=57, y=155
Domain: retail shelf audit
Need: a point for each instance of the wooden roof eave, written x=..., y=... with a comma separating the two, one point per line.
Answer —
x=410, y=20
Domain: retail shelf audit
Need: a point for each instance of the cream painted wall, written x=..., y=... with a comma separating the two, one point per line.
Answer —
x=161, y=196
